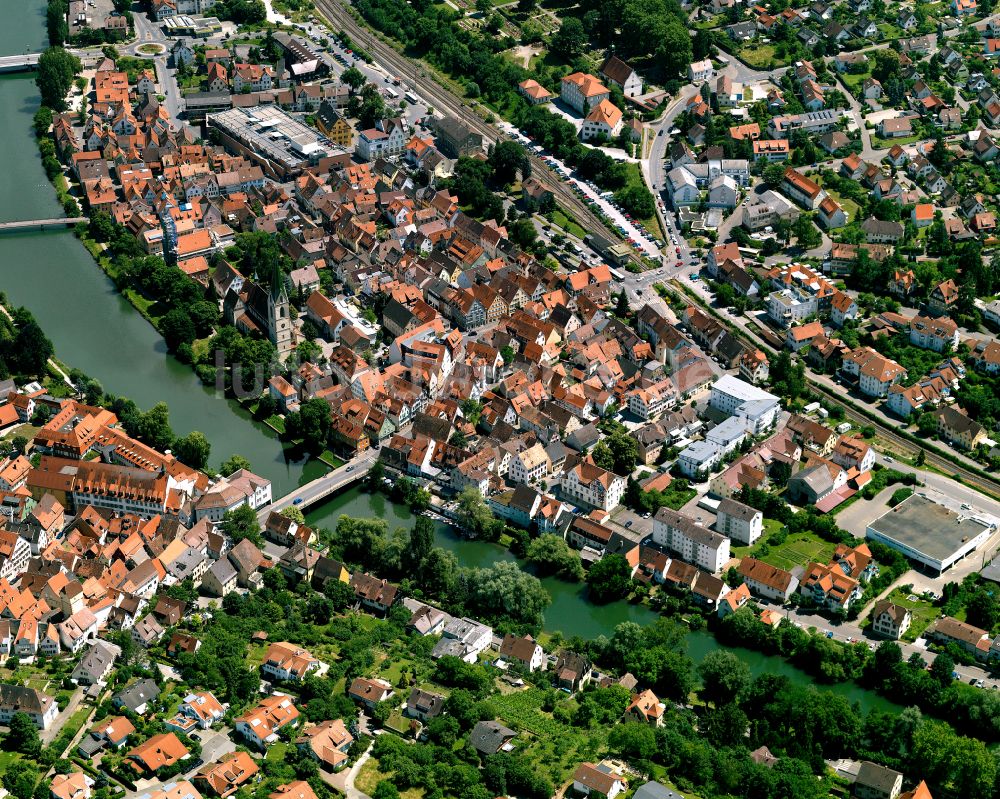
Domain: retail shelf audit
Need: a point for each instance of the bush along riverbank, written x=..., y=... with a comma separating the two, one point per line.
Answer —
x=971, y=710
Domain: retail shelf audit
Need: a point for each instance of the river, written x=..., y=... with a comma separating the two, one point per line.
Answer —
x=93, y=328
x=570, y=613
x=96, y=330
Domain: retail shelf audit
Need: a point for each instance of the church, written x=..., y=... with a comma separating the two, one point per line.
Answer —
x=258, y=308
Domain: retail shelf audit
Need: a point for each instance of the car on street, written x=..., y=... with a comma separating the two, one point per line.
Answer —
x=297, y=501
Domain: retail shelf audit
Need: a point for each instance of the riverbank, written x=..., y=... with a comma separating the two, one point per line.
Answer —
x=570, y=614
x=92, y=326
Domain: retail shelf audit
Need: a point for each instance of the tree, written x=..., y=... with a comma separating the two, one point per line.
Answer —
x=806, y=234
x=505, y=594
x=384, y=789
x=507, y=159
x=20, y=779
x=234, y=464
x=292, y=512
x=550, y=554
x=773, y=175
x=885, y=65
x=241, y=523
x=474, y=515
x=609, y=579
x=30, y=350
x=57, y=69
x=927, y=424
x=421, y=540
x=570, y=40
x=507, y=353
x=725, y=725
x=674, y=50
x=724, y=677
x=983, y=610
x=637, y=201
x=154, y=427
x=354, y=78
x=942, y=669
x=340, y=594
x=311, y=423
x=523, y=234
x=193, y=450
x=22, y=736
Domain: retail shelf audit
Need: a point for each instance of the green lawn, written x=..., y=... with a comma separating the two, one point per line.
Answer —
x=326, y=456
x=851, y=208
x=398, y=723
x=757, y=55
x=852, y=80
x=879, y=143
x=553, y=747
x=277, y=751
x=922, y=611
x=797, y=550
x=560, y=219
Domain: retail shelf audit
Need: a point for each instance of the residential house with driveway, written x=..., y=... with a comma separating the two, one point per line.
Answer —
x=600, y=781
x=226, y=776
x=260, y=725
x=286, y=661
x=525, y=651
x=137, y=697
x=95, y=666
x=327, y=743
x=890, y=620
x=369, y=692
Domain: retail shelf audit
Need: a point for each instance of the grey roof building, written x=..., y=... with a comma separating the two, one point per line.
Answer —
x=95, y=665
x=489, y=737
x=137, y=696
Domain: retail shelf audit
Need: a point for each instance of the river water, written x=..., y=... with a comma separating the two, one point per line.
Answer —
x=96, y=330
x=93, y=328
x=570, y=613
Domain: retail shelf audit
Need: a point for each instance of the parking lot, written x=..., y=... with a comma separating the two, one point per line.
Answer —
x=642, y=241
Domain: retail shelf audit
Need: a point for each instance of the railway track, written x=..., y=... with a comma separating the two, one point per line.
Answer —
x=440, y=97
x=984, y=484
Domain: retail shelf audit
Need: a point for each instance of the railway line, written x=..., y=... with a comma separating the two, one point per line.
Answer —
x=984, y=484
x=440, y=97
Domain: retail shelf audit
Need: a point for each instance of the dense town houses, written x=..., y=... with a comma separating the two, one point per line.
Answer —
x=572, y=396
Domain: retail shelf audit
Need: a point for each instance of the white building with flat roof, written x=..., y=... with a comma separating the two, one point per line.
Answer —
x=735, y=397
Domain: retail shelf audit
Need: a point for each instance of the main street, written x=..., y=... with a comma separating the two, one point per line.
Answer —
x=320, y=488
x=148, y=32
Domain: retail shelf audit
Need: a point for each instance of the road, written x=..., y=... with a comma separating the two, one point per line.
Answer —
x=49, y=735
x=442, y=99
x=343, y=781
x=319, y=488
x=149, y=32
x=838, y=394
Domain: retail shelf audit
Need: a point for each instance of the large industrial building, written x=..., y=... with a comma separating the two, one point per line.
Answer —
x=931, y=535
x=280, y=144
